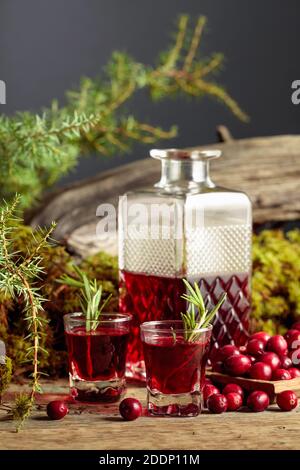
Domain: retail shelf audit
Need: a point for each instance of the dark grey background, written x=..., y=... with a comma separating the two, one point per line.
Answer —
x=47, y=45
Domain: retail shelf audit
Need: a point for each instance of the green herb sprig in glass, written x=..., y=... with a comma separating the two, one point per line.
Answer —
x=91, y=297
x=197, y=315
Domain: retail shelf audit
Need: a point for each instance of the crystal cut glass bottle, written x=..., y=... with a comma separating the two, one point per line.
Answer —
x=184, y=227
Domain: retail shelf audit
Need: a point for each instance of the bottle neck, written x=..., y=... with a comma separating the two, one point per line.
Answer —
x=184, y=174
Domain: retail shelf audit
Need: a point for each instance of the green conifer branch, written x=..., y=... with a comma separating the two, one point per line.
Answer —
x=35, y=151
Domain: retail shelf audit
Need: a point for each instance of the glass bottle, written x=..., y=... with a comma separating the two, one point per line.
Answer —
x=184, y=227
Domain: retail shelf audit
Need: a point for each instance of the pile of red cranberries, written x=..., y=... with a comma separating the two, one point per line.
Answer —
x=264, y=357
x=233, y=397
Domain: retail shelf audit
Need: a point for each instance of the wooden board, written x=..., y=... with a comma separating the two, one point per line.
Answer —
x=271, y=387
x=266, y=168
x=100, y=427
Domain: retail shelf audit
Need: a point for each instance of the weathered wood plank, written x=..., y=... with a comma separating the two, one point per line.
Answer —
x=101, y=428
x=267, y=168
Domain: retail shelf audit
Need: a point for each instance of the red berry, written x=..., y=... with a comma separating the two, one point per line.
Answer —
x=258, y=401
x=243, y=349
x=287, y=400
x=285, y=362
x=277, y=344
x=233, y=388
x=294, y=372
x=296, y=326
x=262, y=336
x=293, y=339
x=237, y=365
x=218, y=367
x=209, y=390
x=252, y=358
x=255, y=347
x=260, y=371
x=281, y=374
x=130, y=409
x=227, y=351
x=271, y=359
x=234, y=401
x=217, y=403
x=57, y=409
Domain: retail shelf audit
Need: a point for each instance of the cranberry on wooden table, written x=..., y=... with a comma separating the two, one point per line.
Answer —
x=287, y=400
x=234, y=401
x=285, y=362
x=208, y=390
x=271, y=359
x=260, y=371
x=217, y=403
x=258, y=401
x=227, y=351
x=262, y=336
x=281, y=374
x=233, y=388
x=237, y=365
x=277, y=344
x=57, y=409
x=130, y=409
x=294, y=372
x=255, y=347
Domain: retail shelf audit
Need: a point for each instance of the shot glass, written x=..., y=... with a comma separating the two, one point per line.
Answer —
x=175, y=360
x=97, y=356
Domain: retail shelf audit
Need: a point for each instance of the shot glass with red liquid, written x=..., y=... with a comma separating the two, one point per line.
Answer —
x=175, y=360
x=97, y=356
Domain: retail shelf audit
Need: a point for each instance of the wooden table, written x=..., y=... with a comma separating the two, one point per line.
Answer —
x=100, y=427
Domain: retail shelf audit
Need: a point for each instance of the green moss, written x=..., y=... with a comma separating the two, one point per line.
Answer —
x=5, y=375
x=276, y=280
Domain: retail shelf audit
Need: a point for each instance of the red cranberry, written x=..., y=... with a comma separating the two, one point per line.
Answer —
x=218, y=367
x=255, y=347
x=243, y=349
x=294, y=372
x=233, y=388
x=237, y=365
x=252, y=358
x=217, y=403
x=287, y=400
x=227, y=351
x=262, y=336
x=260, y=371
x=285, y=362
x=281, y=374
x=57, y=409
x=209, y=390
x=271, y=359
x=277, y=344
x=234, y=401
x=296, y=326
x=130, y=409
x=258, y=401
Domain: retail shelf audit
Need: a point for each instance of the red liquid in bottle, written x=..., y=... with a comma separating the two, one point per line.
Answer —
x=150, y=298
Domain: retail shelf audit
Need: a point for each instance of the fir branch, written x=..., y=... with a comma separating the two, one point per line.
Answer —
x=17, y=276
x=36, y=151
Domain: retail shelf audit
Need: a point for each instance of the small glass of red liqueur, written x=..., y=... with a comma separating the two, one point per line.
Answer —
x=175, y=360
x=97, y=356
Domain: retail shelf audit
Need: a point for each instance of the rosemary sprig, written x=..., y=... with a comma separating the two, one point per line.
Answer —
x=197, y=315
x=91, y=297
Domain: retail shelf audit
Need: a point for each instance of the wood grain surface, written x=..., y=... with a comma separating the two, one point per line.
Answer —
x=266, y=168
x=101, y=428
